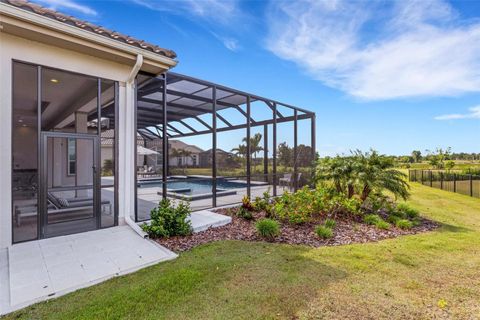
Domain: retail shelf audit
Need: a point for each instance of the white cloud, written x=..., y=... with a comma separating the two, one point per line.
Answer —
x=229, y=43
x=474, y=113
x=379, y=50
x=214, y=10
x=68, y=4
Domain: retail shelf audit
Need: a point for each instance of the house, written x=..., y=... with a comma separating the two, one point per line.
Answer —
x=67, y=92
x=91, y=123
x=84, y=108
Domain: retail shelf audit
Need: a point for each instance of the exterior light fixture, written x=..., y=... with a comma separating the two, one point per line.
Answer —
x=53, y=80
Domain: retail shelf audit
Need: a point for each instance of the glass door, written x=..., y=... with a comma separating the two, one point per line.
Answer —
x=69, y=183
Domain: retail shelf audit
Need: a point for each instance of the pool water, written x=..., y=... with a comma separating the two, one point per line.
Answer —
x=197, y=186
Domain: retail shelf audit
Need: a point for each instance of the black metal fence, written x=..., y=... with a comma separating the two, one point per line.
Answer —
x=467, y=184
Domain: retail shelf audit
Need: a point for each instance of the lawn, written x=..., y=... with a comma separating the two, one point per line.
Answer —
x=424, y=276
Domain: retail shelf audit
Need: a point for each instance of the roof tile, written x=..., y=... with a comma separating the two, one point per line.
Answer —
x=52, y=14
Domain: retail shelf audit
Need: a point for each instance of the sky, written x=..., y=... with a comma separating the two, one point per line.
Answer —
x=395, y=76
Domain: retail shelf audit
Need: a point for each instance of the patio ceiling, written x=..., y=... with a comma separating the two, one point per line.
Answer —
x=189, y=99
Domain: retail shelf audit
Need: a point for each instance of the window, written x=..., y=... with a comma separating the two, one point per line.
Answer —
x=71, y=157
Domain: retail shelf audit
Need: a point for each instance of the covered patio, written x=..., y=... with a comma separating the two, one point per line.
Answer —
x=211, y=145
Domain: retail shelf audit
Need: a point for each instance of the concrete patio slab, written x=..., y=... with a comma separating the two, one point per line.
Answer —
x=202, y=220
x=39, y=270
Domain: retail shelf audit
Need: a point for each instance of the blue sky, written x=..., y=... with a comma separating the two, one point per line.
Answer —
x=391, y=75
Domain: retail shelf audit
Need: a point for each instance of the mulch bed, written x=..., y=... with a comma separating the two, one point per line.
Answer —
x=345, y=232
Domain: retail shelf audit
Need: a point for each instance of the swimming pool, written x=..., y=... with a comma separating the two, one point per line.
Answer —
x=192, y=188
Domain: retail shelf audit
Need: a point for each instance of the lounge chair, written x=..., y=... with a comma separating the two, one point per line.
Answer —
x=287, y=179
x=60, y=206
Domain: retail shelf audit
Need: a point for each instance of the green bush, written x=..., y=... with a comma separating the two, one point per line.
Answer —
x=298, y=207
x=382, y=225
x=324, y=232
x=262, y=203
x=267, y=228
x=407, y=211
x=393, y=218
x=168, y=220
x=404, y=224
x=330, y=223
x=372, y=219
x=244, y=213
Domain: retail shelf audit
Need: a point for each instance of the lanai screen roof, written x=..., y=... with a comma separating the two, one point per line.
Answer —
x=190, y=102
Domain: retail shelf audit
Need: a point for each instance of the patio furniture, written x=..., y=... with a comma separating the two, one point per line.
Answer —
x=287, y=179
x=62, y=206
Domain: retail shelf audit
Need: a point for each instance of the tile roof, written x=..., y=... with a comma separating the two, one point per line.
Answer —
x=52, y=14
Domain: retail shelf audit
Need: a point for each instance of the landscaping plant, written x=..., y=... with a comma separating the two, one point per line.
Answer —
x=324, y=232
x=267, y=228
x=363, y=174
x=244, y=213
x=168, y=220
x=247, y=204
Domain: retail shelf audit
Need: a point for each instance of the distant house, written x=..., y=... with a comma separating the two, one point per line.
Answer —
x=222, y=157
x=180, y=154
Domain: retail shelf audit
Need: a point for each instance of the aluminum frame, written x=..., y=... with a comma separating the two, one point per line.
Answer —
x=179, y=104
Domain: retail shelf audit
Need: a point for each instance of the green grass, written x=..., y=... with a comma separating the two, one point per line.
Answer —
x=424, y=276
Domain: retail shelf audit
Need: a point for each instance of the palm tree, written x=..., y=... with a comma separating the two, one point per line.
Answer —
x=185, y=154
x=363, y=173
x=254, y=147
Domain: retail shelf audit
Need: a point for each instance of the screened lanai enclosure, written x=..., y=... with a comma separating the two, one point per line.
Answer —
x=211, y=145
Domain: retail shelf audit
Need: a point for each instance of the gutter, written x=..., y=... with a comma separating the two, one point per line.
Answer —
x=129, y=98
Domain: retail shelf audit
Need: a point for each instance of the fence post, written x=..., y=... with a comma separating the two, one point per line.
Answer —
x=422, y=176
x=471, y=186
x=441, y=180
x=431, y=179
x=454, y=182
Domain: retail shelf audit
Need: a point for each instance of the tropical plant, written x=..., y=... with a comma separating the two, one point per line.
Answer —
x=363, y=174
x=247, y=204
x=267, y=228
x=168, y=220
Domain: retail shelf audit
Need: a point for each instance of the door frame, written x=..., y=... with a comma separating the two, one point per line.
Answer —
x=43, y=180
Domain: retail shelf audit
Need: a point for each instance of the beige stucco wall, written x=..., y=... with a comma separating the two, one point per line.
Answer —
x=15, y=48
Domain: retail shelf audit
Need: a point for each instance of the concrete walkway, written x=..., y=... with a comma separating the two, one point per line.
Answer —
x=38, y=270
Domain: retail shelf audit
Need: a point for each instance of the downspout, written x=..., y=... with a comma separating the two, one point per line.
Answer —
x=129, y=98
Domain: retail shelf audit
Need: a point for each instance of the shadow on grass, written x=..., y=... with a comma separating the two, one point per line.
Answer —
x=222, y=280
x=445, y=227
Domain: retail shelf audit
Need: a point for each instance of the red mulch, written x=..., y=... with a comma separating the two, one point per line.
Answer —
x=346, y=232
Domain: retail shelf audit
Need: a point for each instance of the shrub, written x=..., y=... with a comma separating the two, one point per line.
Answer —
x=330, y=223
x=246, y=203
x=404, y=224
x=262, y=203
x=244, y=213
x=168, y=220
x=408, y=212
x=324, y=232
x=298, y=207
x=382, y=225
x=371, y=219
x=267, y=228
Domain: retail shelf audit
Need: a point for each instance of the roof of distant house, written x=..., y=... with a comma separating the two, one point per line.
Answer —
x=52, y=14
